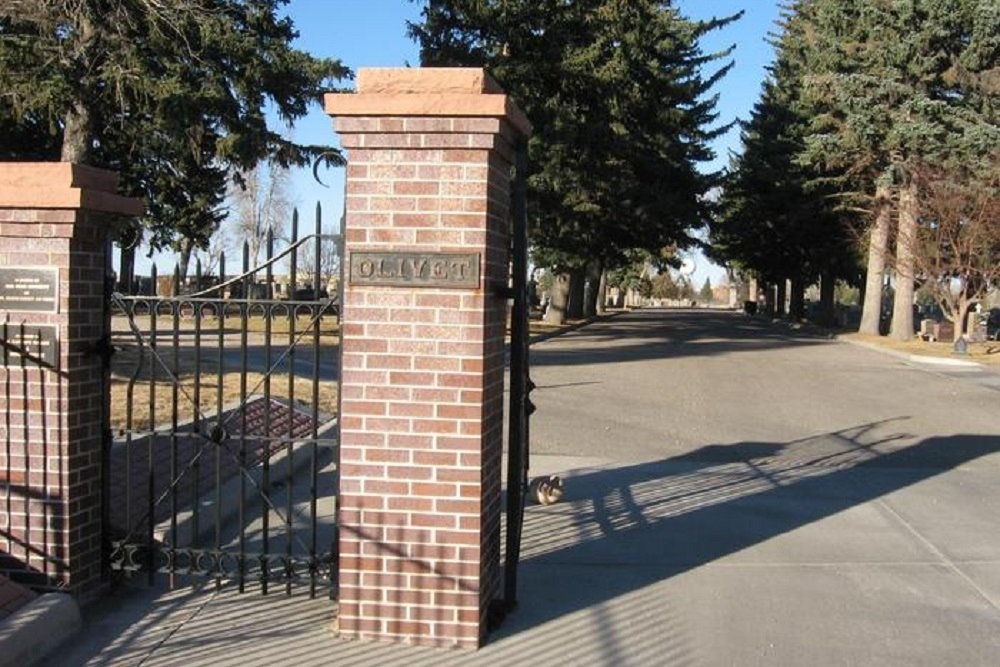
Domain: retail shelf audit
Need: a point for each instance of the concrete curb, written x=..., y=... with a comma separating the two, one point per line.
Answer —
x=944, y=361
x=820, y=332
x=38, y=628
x=914, y=358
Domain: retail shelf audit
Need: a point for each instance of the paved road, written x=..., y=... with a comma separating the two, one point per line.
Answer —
x=740, y=494
x=655, y=384
x=737, y=494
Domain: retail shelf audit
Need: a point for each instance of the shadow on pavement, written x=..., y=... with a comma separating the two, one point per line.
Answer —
x=648, y=334
x=642, y=524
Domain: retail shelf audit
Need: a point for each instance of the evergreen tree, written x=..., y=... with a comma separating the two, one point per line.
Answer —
x=892, y=84
x=686, y=289
x=706, y=294
x=170, y=94
x=619, y=104
x=775, y=219
x=861, y=93
x=664, y=286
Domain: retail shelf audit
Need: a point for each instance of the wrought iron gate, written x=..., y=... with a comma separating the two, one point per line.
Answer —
x=521, y=407
x=224, y=396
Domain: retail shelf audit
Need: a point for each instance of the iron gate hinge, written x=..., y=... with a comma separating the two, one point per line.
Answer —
x=103, y=348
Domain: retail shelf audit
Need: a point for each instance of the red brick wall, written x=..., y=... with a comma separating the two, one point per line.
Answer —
x=52, y=417
x=422, y=393
x=56, y=215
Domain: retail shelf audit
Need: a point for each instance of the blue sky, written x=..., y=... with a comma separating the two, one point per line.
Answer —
x=372, y=33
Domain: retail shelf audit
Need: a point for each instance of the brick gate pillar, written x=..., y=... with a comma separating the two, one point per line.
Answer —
x=427, y=230
x=54, y=224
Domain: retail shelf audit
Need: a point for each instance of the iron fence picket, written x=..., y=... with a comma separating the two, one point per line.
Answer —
x=8, y=494
x=244, y=358
x=289, y=453
x=151, y=440
x=174, y=415
x=314, y=452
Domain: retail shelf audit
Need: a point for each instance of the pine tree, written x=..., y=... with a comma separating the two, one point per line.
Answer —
x=775, y=220
x=893, y=84
x=170, y=94
x=618, y=101
x=706, y=294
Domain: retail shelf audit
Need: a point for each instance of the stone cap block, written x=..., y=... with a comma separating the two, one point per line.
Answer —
x=427, y=92
x=470, y=81
x=63, y=185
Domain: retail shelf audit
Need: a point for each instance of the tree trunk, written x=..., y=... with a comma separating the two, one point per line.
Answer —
x=79, y=121
x=76, y=136
x=126, y=271
x=602, y=293
x=902, y=306
x=878, y=247
x=184, y=253
x=592, y=291
x=558, y=299
x=964, y=308
x=797, y=299
x=779, y=299
x=765, y=295
x=574, y=305
x=827, y=299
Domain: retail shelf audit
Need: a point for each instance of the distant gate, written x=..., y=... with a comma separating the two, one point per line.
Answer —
x=224, y=402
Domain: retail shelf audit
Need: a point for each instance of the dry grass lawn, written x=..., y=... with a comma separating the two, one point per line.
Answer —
x=154, y=394
x=184, y=375
x=987, y=353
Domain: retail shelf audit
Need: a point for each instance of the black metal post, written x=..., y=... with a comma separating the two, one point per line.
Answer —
x=517, y=471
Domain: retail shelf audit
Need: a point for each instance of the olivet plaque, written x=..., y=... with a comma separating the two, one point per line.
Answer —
x=415, y=269
x=29, y=289
x=29, y=345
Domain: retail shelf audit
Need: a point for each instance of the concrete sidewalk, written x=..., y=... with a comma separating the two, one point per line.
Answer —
x=818, y=552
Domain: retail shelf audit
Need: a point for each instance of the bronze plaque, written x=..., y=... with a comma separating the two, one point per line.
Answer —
x=29, y=345
x=29, y=289
x=415, y=269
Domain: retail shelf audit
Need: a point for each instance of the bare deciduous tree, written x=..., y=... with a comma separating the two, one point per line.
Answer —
x=957, y=251
x=211, y=257
x=330, y=260
x=260, y=204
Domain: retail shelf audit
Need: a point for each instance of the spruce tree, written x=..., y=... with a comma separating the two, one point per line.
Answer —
x=893, y=84
x=620, y=106
x=173, y=95
x=775, y=219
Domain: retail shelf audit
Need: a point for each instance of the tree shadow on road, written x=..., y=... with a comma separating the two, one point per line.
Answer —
x=625, y=528
x=658, y=334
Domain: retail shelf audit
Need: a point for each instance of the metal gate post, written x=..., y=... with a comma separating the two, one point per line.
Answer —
x=424, y=316
x=520, y=383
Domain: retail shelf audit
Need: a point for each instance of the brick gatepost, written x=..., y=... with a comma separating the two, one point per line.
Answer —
x=55, y=220
x=424, y=311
